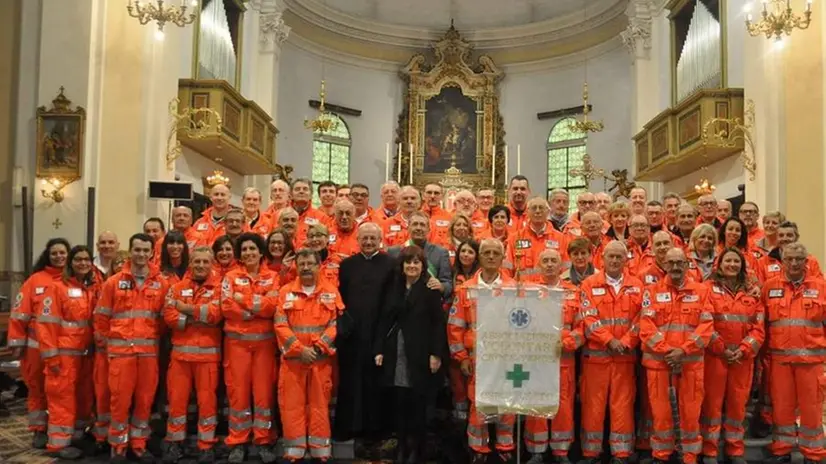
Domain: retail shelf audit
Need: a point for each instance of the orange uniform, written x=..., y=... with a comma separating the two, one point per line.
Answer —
x=208, y=229
x=598, y=249
x=738, y=324
x=562, y=425
x=439, y=225
x=249, y=353
x=193, y=239
x=196, y=351
x=479, y=223
x=461, y=336
x=675, y=317
x=519, y=219
x=380, y=215
x=22, y=334
x=127, y=319
x=64, y=328
x=263, y=225
x=525, y=246
x=329, y=269
x=796, y=315
x=639, y=258
x=755, y=235
x=769, y=266
x=307, y=218
x=304, y=390
x=610, y=311
x=344, y=243
x=654, y=274
x=394, y=231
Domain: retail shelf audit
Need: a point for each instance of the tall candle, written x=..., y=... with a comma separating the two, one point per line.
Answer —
x=399, y=174
x=411, y=164
x=518, y=159
x=493, y=167
x=506, y=164
x=387, y=162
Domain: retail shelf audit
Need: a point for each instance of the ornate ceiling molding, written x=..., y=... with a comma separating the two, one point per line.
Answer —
x=637, y=36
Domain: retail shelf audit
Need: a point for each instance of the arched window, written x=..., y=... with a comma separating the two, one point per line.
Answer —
x=565, y=151
x=331, y=156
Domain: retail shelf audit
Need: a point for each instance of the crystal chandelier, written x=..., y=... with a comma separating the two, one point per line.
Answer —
x=161, y=13
x=782, y=20
x=705, y=187
x=324, y=122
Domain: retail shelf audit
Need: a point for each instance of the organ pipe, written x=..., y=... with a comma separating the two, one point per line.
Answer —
x=217, y=56
x=700, y=63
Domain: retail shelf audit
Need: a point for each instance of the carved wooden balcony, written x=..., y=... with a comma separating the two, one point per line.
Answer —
x=671, y=145
x=245, y=141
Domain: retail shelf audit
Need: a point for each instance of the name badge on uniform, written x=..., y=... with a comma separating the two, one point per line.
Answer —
x=776, y=293
x=551, y=244
x=442, y=223
x=598, y=291
x=649, y=279
x=154, y=285
x=810, y=293
x=773, y=267
x=478, y=225
x=202, y=227
x=75, y=293
x=291, y=297
x=310, y=221
x=207, y=293
x=242, y=281
x=39, y=290
x=395, y=228
x=265, y=283
x=663, y=298
x=691, y=298
x=124, y=285
x=717, y=289
x=187, y=292
x=523, y=244
x=332, y=238
x=451, y=253
x=632, y=290
x=327, y=298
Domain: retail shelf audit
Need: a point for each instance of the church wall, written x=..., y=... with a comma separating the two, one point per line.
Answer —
x=193, y=167
x=725, y=174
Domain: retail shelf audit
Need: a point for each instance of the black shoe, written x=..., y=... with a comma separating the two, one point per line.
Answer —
x=236, y=454
x=117, y=458
x=619, y=460
x=590, y=461
x=39, y=440
x=479, y=458
x=206, y=456
x=145, y=456
x=760, y=429
x=779, y=459
x=69, y=453
x=102, y=448
x=562, y=460
x=506, y=457
x=810, y=461
x=737, y=460
x=266, y=455
x=4, y=410
x=537, y=458
x=173, y=453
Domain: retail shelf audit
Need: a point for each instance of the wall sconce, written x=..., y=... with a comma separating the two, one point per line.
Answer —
x=57, y=185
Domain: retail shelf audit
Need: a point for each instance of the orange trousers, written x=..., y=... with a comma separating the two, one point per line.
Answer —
x=458, y=389
x=562, y=425
x=100, y=378
x=726, y=386
x=613, y=385
x=798, y=386
x=179, y=382
x=304, y=392
x=31, y=367
x=69, y=393
x=645, y=421
x=250, y=366
x=132, y=383
x=477, y=428
x=690, y=388
x=765, y=396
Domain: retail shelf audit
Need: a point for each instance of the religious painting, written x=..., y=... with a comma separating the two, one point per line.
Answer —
x=450, y=132
x=60, y=139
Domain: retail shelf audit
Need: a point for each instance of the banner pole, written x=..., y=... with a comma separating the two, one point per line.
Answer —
x=518, y=439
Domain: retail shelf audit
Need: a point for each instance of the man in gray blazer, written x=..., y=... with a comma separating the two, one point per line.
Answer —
x=438, y=259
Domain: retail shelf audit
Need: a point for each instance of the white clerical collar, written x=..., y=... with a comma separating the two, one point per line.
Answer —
x=371, y=256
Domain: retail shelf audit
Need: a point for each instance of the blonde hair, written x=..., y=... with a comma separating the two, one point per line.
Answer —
x=701, y=229
x=456, y=218
x=318, y=228
x=618, y=207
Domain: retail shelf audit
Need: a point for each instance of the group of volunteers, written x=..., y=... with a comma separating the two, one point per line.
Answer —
x=305, y=322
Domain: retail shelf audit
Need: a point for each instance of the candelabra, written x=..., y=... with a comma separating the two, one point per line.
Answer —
x=161, y=13
x=57, y=185
x=584, y=126
x=324, y=122
x=217, y=178
x=782, y=20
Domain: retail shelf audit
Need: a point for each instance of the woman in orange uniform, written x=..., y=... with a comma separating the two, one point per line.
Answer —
x=460, y=231
x=22, y=338
x=738, y=333
x=248, y=297
x=464, y=267
x=702, y=250
x=732, y=235
x=224, y=256
x=64, y=328
x=318, y=240
x=281, y=255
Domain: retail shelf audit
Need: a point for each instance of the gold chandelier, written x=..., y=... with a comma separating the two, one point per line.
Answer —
x=584, y=126
x=217, y=178
x=324, y=122
x=160, y=13
x=705, y=187
x=782, y=20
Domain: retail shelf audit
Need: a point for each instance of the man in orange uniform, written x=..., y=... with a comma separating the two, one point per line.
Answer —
x=465, y=203
x=360, y=197
x=562, y=425
x=193, y=314
x=439, y=217
x=592, y=230
x=661, y=243
x=210, y=225
x=538, y=234
x=302, y=195
x=389, y=202
x=796, y=315
x=518, y=192
x=343, y=235
x=394, y=230
x=461, y=335
x=305, y=326
x=640, y=255
x=254, y=220
x=485, y=199
x=609, y=307
x=327, y=196
x=676, y=324
x=127, y=319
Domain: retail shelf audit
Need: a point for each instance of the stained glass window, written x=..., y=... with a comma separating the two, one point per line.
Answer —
x=565, y=151
x=331, y=156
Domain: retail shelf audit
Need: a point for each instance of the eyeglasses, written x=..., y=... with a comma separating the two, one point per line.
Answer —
x=748, y=212
x=359, y=194
x=639, y=226
x=316, y=235
x=586, y=202
x=676, y=263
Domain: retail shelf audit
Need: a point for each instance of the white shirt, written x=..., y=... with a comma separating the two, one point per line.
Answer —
x=616, y=284
x=496, y=282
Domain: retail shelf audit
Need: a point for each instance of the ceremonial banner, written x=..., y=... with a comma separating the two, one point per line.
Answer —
x=518, y=350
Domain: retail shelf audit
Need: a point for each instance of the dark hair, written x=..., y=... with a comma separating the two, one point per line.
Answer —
x=68, y=273
x=790, y=225
x=519, y=177
x=742, y=242
x=302, y=180
x=361, y=186
x=43, y=260
x=155, y=219
x=326, y=183
x=717, y=275
x=288, y=242
x=495, y=210
x=653, y=203
x=143, y=238
x=172, y=237
x=249, y=237
x=457, y=266
x=306, y=252
x=411, y=253
x=219, y=243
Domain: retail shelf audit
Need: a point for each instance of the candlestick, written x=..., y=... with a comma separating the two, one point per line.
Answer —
x=399, y=174
x=493, y=167
x=518, y=159
x=387, y=162
x=411, y=164
x=506, y=164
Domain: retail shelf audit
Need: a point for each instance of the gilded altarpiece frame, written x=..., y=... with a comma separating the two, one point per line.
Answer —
x=468, y=123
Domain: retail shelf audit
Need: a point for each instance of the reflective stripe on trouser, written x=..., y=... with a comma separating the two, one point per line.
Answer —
x=304, y=392
x=249, y=367
x=614, y=385
x=69, y=396
x=645, y=421
x=477, y=429
x=765, y=398
x=562, y=425
x=536, y=434
x=31, y=368
x=458, y=390
x=690, y=401
x=180, y=379
x=797, y=386
x=131, y=377
x=729, y=386
x=100, y=377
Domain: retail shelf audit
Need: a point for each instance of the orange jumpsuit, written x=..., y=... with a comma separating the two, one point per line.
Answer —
x=519, y=219
x=461, y=336
x=262, y=225
x=528, y=245
x=394, y=231
x=738, y=324
x=127, y=317
x=307, y=218
x=562, y=425
x=672, y=318
x=329, y=269
x=439, y=226
x=249, y=353
x=458, y=382
x=304, y=390
x=479, y=223
x=196, y=351
x=381, y=214
x=207, y=229
x=22, y=333
x=609, y=313
x=796, y=316
x=64, y=328
x=344, y=244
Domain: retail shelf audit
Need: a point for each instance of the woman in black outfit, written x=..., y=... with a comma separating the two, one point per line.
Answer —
x=410, y=346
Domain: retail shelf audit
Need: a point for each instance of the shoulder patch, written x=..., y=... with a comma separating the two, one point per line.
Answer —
x=646, y=299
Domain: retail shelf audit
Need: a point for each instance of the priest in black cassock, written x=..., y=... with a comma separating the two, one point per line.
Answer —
x=364, y=281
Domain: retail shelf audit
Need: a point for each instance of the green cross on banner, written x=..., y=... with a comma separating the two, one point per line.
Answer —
x=517, y=376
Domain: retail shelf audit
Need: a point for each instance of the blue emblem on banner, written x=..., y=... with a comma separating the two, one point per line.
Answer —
x=520, y=318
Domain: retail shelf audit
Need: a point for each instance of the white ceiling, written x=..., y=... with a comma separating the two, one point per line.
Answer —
x=467, y=14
